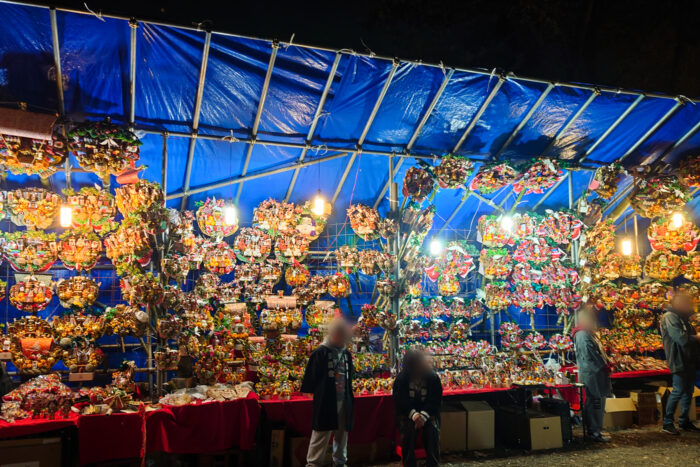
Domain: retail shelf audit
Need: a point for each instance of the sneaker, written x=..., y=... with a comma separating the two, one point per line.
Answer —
x=599, y=438
x=688, y=426
x=671, y=430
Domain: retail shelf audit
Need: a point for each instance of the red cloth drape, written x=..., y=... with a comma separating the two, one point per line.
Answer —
x=107, y=437
x=206, y=427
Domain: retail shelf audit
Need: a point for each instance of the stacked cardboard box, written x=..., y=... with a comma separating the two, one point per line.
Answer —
x=528, y=429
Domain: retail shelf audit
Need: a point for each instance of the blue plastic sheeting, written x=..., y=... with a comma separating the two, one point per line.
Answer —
x=95, y=58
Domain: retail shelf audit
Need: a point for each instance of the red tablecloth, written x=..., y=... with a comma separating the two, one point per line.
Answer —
x=641, y=374
x=108, y=437
x=34, y=426
x=207, y=427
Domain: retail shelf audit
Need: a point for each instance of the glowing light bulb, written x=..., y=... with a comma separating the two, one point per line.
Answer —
x=435, y=247
x=507, y=223
x=66, y=216
x=319, y=205
x=678, y=220
x=230, y=215
x=627, y=247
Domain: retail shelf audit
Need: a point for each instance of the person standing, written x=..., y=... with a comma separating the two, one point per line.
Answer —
x=593, y=372
x=328, y=376
x=417, y=397
x=681, y=345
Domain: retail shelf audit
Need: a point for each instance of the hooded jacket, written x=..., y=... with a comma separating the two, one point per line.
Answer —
x=680, y=346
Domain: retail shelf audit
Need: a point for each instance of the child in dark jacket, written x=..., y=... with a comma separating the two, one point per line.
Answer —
x=417, y=399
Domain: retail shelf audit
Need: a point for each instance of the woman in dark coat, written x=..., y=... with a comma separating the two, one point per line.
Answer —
x=593, y=371
x=417, y=399
x=328, y=377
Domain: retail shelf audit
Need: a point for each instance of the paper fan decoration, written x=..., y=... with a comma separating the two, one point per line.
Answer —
x=561, y=343
x=491, y=179
x=28, y=156
x=275, y=217
x=129, y=244
x=691, y=267
x=418, y=183
x=291, y=246
x=364, y=221
x=271, y=272
x=310, y=224
x=663, y=266
x=92, y=208
x=664, y=235
x=511, y=336
x=79, y=249
x=77, y=291
x=540, y=176
x=104, y=148
x=138, y=197
x=219, y=258
x=368, y=259
x=495, y=263
x=252, y=245
x=35, y=208
x=606, y=179
x=212, y=221
x=491, y=234
x=631, y=266
x=297, y=275
x=497, y=296
x=453, y=171
x=338, y=285
x=658, y=195
x=689, y=170
x=30, y=251
x=30, y=295
x=561, y=227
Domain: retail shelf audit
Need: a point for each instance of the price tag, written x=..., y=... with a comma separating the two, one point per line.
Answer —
x=81, y=376
x=5, y=356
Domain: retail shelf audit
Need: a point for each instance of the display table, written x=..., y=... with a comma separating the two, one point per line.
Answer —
x=640, y=374
x=192, y=429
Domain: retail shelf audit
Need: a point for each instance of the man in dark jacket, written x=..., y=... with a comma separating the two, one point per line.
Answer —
x=593, y=371
x=681, y=348
x=417, y=399
x=328, y=377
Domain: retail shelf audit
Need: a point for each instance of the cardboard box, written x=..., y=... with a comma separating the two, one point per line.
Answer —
x=481, y=425
x=642, y=398
x=35, y=452
x=453, y=429
x=646, y=416
x=529, y=429
x=298, y=447
x=276, y=448
x=619, y=412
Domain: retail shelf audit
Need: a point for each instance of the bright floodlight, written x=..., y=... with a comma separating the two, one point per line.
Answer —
x=435, y=247
x=507, y=223
x=230, y=215
x=319, y=205
x=626, y=247
x=678, y=220
x=66, y=216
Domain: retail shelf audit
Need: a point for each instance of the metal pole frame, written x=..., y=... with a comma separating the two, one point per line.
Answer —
x=164, y=166
x=314, y=121
x=195, y=117
x=256, y=123
x=525, y=119
x=612, y=127
x=552, y=190
x=416, y=134
x=368, y=125
x=683, y=139
x=57, y=61
x=501, y=79
x=595, y=93
x=680, y=101
x=133, y=25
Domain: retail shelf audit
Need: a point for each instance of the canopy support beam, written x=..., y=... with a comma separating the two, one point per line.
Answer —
x=255, y=175
x=368, y=125
x=133, y=25
x=570, y=122
x=682, y=140
x=552, y=190
x=164, y=167
x=466, y=196
x=416, y=134
x=525, y=119
x=479, y=113
x=258, y=114
x=195, y=117
x=680, y=101
x=612, y=127
x=57, y=61
x=314, y=122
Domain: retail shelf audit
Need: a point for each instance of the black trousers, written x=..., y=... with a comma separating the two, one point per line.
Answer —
x=431, y=442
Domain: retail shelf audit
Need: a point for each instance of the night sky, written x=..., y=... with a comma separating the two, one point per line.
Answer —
x=643, y=44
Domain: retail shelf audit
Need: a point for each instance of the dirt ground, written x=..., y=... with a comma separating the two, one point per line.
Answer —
x=643, y=446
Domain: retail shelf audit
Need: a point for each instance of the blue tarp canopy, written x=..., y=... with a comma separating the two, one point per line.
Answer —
x=247, y=119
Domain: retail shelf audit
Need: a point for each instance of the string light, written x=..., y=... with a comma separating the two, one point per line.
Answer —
x=627, y=247
x=435, y=247
x=507, y=223
x=66, y=216
x=230, y=215
x=319, y=205
x=678, y=220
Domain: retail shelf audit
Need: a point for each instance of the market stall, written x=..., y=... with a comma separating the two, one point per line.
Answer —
x=174, y=249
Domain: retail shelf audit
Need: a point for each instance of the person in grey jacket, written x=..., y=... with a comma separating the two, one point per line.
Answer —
x=682, y=348
x=593, y=372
